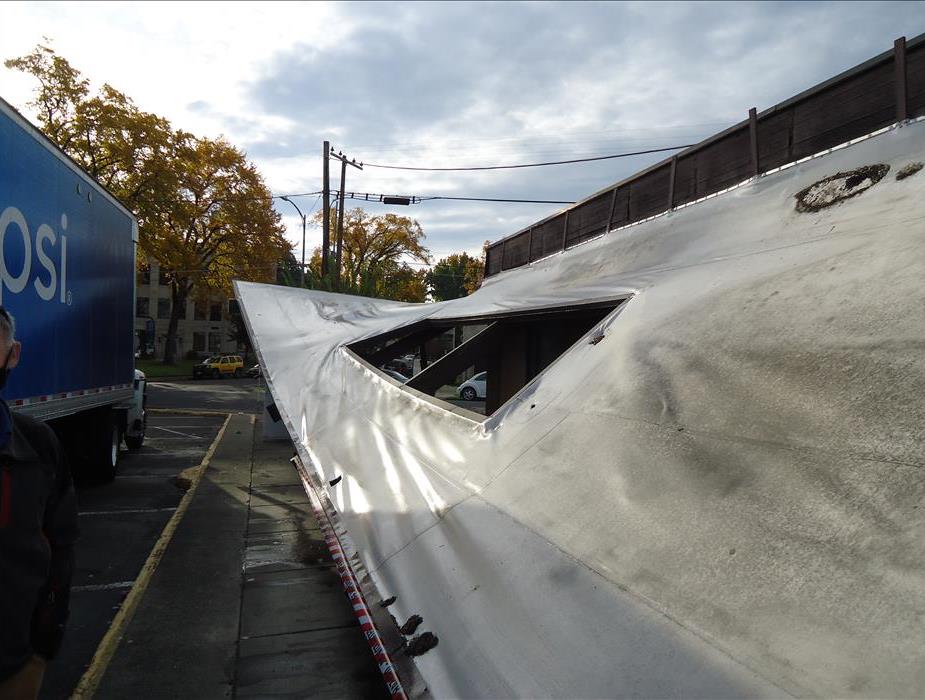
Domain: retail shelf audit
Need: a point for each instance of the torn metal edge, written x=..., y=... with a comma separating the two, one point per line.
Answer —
x=375, y=621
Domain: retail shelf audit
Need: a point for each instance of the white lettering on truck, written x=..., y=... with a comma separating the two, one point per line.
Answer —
x=12, y=218
x=46, y=292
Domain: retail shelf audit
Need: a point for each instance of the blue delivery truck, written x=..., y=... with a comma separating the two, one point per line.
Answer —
x=67, y=275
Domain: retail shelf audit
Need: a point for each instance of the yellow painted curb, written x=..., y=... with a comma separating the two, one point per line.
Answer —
x=107, y=647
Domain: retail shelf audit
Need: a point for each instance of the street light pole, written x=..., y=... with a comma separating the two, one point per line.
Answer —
x=302, y=216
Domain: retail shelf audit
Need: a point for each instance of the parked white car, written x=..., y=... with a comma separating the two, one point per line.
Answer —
x=473, y=388
x=397, y=376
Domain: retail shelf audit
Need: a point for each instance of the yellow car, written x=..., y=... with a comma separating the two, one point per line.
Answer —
x=219, y=366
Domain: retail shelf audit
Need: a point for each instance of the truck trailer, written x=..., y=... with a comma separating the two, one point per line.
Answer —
x=67, y=275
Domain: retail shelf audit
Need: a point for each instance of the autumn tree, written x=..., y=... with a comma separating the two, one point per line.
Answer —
x=475, y=270
x=376, y=254
x=454, y=276
x=220, y=226
x=204, y=213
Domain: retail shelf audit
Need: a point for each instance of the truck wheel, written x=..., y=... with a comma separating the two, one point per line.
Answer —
x=216, y=374
x=136, y=442
x=104, y=452
x=115, y=441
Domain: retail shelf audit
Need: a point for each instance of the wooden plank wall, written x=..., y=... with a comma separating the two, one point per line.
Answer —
x=878, y=93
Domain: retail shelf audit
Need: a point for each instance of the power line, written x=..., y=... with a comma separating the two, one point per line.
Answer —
x=417, y=199
x=429, y=269
x=530, y=165
x=297, y=194
x=317, y=200
x=490, y=199
x=537, y=139
x=205, y=270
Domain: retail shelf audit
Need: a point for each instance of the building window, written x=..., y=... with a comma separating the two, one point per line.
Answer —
x=215, y=312
x=163, y=276
x=199, y=310
x=199, y=342
x=215, y=342
x=144, y=275
x=182, y=310
x=163, y=308
x=142, y=307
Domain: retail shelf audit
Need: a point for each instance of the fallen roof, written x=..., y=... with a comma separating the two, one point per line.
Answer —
x=720, y=498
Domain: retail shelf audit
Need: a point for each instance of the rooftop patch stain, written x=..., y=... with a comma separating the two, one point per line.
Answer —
x=908, y=170
x=839, y=187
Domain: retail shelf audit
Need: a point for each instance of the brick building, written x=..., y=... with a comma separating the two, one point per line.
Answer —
x=204, y=326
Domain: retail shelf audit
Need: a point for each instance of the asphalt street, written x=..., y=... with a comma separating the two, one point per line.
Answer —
x=119, y=524
x=209, y=394
x=121, y=521
x=240, y=395
x=246, y=600
x=448, y=393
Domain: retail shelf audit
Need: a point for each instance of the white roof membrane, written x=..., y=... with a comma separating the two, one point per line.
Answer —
x=722, y=498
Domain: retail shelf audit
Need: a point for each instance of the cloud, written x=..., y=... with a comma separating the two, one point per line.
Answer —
x=458, y=84
x=464, y=84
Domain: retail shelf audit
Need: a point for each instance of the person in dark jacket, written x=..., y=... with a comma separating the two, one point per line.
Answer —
x=38, y=529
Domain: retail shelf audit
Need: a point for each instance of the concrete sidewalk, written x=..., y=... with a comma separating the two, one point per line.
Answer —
x=245, y=601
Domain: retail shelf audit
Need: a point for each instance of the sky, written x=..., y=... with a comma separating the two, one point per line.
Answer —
x=453, y=85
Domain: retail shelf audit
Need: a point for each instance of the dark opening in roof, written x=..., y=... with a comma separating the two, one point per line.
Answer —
x=479, y=363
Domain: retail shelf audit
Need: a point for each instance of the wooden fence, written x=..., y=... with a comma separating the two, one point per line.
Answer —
x=887, y=89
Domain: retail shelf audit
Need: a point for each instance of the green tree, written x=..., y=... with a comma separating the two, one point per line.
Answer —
x=376, y=252
x=401, y=282
x=287, y=271
x=204, y=213
x=454, y=276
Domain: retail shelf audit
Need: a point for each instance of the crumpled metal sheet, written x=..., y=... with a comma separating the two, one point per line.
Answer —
x=721, y=498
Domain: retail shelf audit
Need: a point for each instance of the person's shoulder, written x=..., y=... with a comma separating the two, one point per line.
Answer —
x=39, y=435
x=29, y=425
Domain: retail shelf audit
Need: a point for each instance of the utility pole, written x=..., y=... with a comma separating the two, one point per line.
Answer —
x=340, y=213
x=326, y=212
x=340, y=225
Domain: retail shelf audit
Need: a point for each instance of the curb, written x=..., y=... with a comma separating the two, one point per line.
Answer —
x=89, y=682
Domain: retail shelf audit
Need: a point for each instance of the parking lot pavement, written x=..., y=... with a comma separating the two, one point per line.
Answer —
x=474, y=406
x=246, y=600
x=209, y=394
x=448, y=393
x=245, y=395
x=120, y=523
